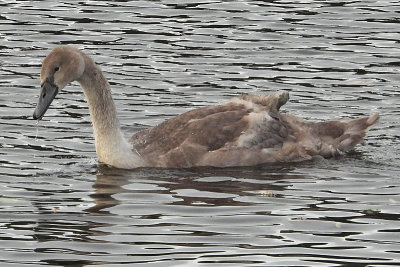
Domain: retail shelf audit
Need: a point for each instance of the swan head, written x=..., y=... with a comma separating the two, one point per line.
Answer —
x=63, y=65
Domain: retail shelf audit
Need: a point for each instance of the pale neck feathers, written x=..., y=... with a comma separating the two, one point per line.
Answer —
x=111, y=146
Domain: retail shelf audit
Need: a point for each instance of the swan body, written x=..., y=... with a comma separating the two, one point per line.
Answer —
x=248, y=130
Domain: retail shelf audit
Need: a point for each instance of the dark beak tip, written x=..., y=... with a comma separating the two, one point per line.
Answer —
x=47, y=95
x=36, y=117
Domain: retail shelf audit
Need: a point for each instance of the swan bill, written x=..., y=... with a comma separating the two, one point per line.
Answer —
x=47, y=95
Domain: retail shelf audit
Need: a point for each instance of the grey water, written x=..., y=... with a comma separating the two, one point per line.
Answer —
x=338, y=59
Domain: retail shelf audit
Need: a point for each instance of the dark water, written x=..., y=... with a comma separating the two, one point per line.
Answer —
x=337, y=58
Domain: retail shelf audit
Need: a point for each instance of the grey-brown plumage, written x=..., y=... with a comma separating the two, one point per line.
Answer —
x=245, y=131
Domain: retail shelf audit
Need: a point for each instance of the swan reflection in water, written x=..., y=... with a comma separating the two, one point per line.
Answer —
x=198, y=186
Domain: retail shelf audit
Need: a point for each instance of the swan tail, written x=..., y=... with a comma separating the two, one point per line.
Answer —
x=342, y=136
x=355, y=132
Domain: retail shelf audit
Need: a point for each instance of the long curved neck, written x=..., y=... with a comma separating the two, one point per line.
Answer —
x=111, y=146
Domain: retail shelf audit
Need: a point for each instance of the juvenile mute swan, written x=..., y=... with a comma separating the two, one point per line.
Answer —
x=248, y=130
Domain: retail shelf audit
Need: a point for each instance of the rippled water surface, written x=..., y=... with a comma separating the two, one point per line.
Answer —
x=58, y=207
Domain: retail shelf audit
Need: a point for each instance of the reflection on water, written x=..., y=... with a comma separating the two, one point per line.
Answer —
x=200, y=186
x=338, y=59
x=268, y=214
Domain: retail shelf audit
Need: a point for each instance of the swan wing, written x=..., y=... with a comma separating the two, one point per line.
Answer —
x=244, y=131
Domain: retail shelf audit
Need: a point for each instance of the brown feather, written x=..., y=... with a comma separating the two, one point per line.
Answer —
x=182, y=140
x=248, y=130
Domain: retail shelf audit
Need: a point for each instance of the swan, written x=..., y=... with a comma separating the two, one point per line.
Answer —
x=247, y=130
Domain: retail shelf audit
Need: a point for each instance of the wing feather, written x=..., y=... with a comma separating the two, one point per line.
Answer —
x=187, y=137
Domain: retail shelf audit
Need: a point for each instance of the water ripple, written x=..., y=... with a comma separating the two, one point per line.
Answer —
x=338, y=59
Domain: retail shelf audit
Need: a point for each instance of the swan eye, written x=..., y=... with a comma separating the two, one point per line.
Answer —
x=56, y=69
